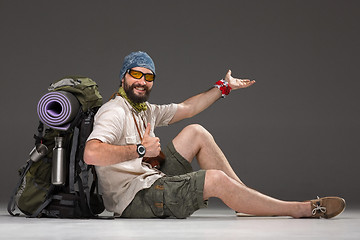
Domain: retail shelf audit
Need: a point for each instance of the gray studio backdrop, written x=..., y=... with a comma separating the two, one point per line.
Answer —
x=293, y=135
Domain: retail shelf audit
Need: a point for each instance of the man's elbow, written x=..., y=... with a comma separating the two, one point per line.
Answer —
x=88, y=156
x=90, y=152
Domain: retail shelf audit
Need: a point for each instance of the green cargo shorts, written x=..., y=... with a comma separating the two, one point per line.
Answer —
x=178, y=194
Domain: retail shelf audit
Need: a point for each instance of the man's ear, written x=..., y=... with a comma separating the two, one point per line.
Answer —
x=122, y=82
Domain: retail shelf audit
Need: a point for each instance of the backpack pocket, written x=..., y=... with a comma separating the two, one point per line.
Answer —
x=37, y=187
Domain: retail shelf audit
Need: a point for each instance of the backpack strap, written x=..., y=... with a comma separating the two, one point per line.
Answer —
x=56, y=212
x=41, y=208
x=11, y=204
x=83, y=181
x=77, y=120
x=38, y=137
x=96, y=201
x=72, y=160
x=84, y=199
x=78, y=169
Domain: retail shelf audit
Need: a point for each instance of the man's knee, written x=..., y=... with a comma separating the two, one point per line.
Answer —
x=198, y=131
x=215, y=176
x=215, y=181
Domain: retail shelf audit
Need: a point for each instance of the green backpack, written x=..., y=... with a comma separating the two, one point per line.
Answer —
x=77, y=197
x=84, y=89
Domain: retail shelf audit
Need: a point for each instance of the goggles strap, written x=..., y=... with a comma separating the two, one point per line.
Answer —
x=224, y=87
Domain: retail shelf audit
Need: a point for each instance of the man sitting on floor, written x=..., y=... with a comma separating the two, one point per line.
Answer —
x=138, y=180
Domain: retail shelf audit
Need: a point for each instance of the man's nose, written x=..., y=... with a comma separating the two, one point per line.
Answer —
x=142, y=80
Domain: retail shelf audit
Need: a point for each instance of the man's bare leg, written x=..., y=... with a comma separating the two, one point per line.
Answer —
x=196, y=141
x=222, y=182
x=246, y=200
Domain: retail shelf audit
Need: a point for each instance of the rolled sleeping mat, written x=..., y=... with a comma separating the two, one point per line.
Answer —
x=58, y=109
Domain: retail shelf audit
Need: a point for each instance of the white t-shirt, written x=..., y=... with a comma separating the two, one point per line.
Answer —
x=114, y=124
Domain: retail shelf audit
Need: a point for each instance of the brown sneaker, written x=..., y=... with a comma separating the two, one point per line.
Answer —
x=327, y=207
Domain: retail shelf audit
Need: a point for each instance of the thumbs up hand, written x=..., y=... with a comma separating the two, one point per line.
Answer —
x=151, y=144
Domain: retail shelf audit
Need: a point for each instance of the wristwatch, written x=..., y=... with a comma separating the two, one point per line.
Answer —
x=140, y=149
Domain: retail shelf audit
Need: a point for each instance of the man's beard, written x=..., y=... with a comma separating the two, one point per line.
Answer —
x=129, y=90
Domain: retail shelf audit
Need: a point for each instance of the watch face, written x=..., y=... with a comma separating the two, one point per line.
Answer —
x=141, y=149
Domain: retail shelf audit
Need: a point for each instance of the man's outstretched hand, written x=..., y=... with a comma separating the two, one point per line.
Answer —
x=236, y=83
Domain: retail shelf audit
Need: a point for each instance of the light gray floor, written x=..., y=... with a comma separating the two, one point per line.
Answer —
x=211, y=223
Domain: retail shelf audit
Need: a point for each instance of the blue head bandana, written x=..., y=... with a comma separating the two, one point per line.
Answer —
x=137, y=59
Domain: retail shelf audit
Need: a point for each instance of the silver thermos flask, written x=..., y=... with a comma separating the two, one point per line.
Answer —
x=58, y=161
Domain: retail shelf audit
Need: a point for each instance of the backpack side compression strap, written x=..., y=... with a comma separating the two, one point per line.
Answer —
x=41, y=208
x=11, y=204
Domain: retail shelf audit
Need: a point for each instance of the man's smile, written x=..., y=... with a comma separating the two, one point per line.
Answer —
x=140, y=90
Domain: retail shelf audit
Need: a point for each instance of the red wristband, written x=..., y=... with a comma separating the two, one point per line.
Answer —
x=224, y=87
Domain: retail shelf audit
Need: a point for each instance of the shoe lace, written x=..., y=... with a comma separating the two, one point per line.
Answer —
x=318, y=207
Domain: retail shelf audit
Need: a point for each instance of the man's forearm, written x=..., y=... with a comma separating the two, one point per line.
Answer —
x=202, y=101
x=102, y=154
